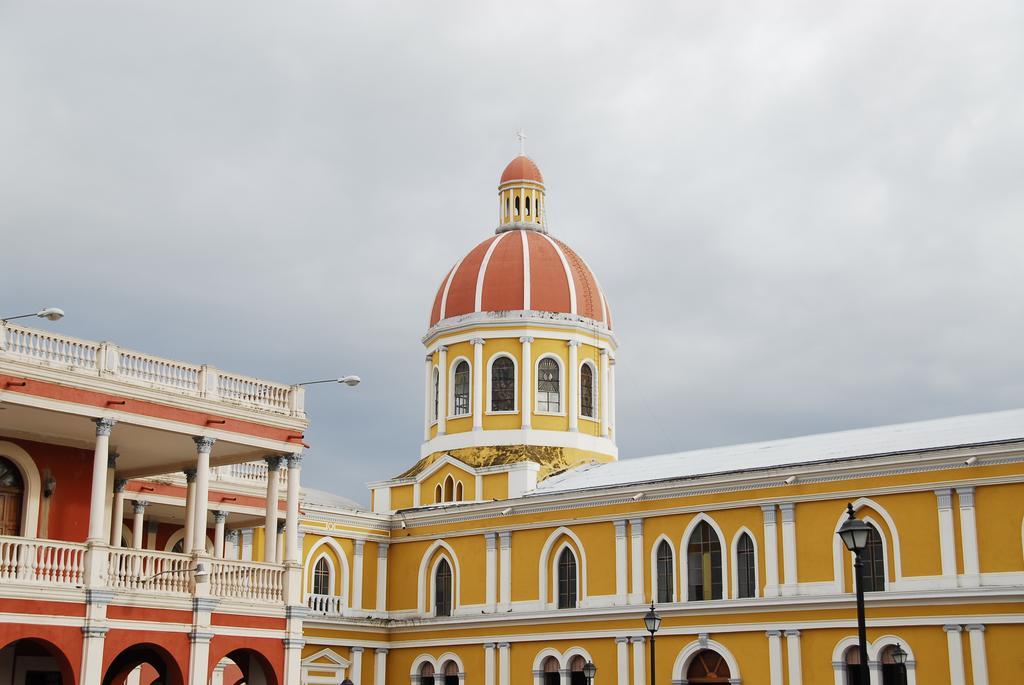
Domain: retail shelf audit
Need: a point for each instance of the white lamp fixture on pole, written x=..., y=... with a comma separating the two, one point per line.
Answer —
x=350, y=381
x=49, y=313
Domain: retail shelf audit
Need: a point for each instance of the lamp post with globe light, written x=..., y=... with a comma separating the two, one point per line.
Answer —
x=652, y=622
x=854, y=534
x=589, y=671
x=899, y=656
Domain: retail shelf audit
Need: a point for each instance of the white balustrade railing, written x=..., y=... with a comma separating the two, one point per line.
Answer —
x=109, y=361
x=326, y=605
x=43, y=561
x=146, y=569
x=248, y=580
x=251, y=472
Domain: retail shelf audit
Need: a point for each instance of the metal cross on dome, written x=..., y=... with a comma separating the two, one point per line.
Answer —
x=521, y=135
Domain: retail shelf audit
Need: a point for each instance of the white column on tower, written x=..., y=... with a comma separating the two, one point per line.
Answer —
x=573, y=387
x=491, y=570
x=357, y=575
x=382, y=576
x=969, y=537
x=604, y=393
x=789, y=582
x=190, y=509
x=620, y=562
x=504, y=676
x=947, y=536
x=636, y=527
x=611, y=397
x=526, y=370
x=488, y=663
x=204, y=446
x=428, y=407
x=771, y=551
x=639, y=665
x=357, y=665
x=97, y=503
x=774, y=657
x=380, y=666
x=979, y=658
x=505, y=563
x=794, y=660
x=442, y=389
x=478, y=385
x=954, y=646
x=622, y=660
x=270, y=519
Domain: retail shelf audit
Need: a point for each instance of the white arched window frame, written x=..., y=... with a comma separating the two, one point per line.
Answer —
x=460, y=491
x=561, y=385
x=32, y=483
x=734, y=553
x=425, y=578
x=842, y=559
x=451, y=388
x=515, y=384
x=686, y=655
x=438, y=493
x=654, y=567
x=435, y=398
x=594, y=391
x=874, y=649
x=332, y=578
x=437, y=664
x=340, y=576
x=556, y=571
x=548, y=568
x=684, y=578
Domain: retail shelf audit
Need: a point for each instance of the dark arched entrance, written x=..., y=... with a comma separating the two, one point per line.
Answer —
x=243, y=667
x=35, y=662
x=12, y=494
x=707, y=666
x=164, y=667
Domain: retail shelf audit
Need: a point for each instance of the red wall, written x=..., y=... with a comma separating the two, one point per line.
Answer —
x=69, y=506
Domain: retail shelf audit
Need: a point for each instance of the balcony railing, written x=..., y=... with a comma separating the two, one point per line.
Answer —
x=107, y=360
x=325, y=605
x=46, y=562
x=247, y=580
x=146, y=569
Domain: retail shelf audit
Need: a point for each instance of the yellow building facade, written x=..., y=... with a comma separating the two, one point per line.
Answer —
x=517, y=547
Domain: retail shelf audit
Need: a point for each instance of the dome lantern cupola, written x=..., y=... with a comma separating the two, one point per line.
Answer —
x=521, y=201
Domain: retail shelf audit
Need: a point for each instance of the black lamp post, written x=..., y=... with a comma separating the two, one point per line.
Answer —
x=652, y=621
x=854, y=534
x=589, y=670
x=346, y=681
x=899, y=656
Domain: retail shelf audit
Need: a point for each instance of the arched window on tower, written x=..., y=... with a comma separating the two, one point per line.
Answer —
x=461, y=387
x=458, y=491
x=746, y=578
x=567, y=579
x=436, y=380
x=12, y=494
x=874, y=562
x=443, y=589
x=322, y=577
x=527, y=206
x=438, y=495
x=503, y=384
x=548, y=386
x=587, y=395
x=517, y=205
x=704, y=564
x=666, y=580
x=449, y=489
x=427, y=674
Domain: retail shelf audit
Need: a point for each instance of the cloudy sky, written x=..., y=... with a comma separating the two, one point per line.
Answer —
x=807, y=216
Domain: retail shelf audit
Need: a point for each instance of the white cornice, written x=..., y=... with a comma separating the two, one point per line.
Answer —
x=517, y=320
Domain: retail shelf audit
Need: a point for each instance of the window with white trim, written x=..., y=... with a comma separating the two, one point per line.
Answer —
x=461, y=389
x=588, y=396
x=704, y=564
x=322, y=577
x=567, y=594
x=548, y=386
x=437, y=394
x=503, y=384
x=666, y=581
x=746, y=577
x=443, y=589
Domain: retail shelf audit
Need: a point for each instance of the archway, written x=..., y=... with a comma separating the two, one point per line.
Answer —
x=12, y=495
x=125, y=666
x=243, y=667
x=31, y=661
x=707, y=666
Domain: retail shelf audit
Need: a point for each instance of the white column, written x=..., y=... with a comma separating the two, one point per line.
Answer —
x=478, y=386
x=231, y=544
x=636, y=594
x=491, y=571
x=620, y=562
x=442, y=389
x=771, y=551
x=291, y=544
x=428, y=406
x=97, y=503
x=203, y=448
x=357, y=576
x=573, y=387
x=356, y=673
x=489, y=663
x=380, y=666
x=504, y=675
x=219, y=519
x=199, y=656
x=93, y=638
x=622, y=660
x=979, y=659
x=270, y=519
x=117, y=516
x=505, y=558
x=279, y=542
x=795, y=664
x=956, y=655
x=947, y=543
x=789, y=582
x=774, y=657
x=382, y=576
x=526, y=372
x=611, y=397
x=108, y=504
x=190, y=508
x=138, y=511
x=969, y=538
x=603, y=392
x=639, y=664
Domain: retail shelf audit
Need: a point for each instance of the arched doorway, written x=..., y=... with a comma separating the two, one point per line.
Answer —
x=31, y=661
x=551, y=671
x=576, y=674
x=158, y=667
x=12, y=497
x=707, y=666
x=243, y=667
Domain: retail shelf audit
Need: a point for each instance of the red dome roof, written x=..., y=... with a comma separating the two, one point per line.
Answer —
x=521, y=168
x=521, y=270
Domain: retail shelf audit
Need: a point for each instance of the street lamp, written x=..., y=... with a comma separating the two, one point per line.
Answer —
x=350, y=381
x=589, y=670
x=854, y=534
x=347, y=681
x=50, y=313
x=899, y=656
x=652, y=621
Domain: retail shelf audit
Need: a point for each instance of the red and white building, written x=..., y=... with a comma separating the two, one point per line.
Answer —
x=92, y=436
